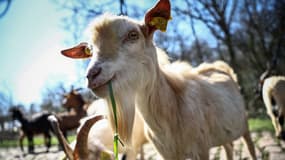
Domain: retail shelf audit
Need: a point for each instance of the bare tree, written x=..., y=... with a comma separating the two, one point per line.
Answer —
x=218, y=16
x=6, y=4
x=54, y=95
x=6, y=99
x=52, y=98
x=82, y=12
x=261, y=34
x=123, y=7
x=260, y=39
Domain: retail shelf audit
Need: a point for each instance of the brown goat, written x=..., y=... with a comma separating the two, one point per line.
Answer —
x=36, y=124
x=76, y=105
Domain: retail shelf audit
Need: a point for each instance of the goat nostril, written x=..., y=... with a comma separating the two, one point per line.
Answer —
x=93, y=73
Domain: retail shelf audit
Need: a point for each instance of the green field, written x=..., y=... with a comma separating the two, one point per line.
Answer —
x=255, y=125
x=260, y=124
x=38, y=140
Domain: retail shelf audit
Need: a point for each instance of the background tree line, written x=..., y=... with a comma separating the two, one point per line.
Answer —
x=248, y=34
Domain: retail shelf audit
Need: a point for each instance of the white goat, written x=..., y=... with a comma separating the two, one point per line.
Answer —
x=273, y=93
x=81, y=151
x=102, y=133
x=187, y=111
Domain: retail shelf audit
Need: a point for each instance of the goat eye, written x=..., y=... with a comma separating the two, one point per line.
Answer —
x=133, y=35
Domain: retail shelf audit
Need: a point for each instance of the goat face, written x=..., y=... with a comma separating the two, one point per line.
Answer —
x=72, y=100
x=124, y=52
x=119, y=44
x=16, y=113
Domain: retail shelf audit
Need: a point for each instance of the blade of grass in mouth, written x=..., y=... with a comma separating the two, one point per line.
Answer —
x=116, y=136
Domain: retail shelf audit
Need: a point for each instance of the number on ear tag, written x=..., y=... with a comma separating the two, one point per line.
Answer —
x=160, y=23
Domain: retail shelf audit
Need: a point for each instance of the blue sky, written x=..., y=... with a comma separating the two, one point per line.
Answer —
x=31, y=37
x=30, y=43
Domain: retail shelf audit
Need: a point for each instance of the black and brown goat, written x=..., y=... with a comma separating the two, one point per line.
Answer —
x=36, y=124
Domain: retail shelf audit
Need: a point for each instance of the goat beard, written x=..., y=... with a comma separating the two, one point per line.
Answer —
x=125, y=105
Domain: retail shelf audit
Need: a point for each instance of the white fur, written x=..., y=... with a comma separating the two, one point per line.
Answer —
x=187, y=111
x=101, y=134
x=274, y=88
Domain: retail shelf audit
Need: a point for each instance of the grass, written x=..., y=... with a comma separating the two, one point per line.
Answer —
x=260, y=124
x=38, y=140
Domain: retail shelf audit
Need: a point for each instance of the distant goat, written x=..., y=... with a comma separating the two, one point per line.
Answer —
x=37, y=124
x=186, y=111
x=76, y=105
x=273, y=93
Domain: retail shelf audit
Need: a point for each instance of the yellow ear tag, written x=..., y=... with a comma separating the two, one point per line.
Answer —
x=160, y=23
x=88, y=50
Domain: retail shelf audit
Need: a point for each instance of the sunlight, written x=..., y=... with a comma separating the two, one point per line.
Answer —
x=48, y=69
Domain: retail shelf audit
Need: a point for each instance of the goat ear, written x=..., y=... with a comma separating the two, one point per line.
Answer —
x=80, y=51
x=157, y=17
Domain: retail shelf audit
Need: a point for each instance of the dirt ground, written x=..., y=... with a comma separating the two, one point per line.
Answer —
x=267, y=148
x=40, y=154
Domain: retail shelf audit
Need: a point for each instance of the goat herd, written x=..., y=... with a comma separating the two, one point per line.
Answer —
x=182, y=111
x=39, y=123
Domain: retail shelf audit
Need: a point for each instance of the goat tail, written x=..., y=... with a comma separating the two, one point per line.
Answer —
x=217, y=66
x=224, y=67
